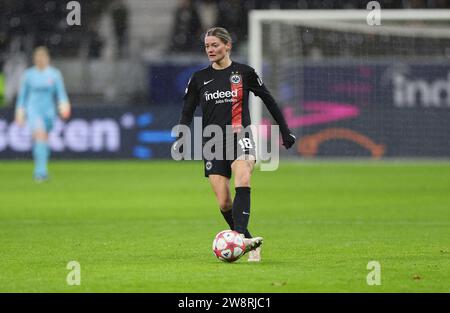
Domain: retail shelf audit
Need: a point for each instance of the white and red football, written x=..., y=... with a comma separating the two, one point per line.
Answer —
x=228, y=246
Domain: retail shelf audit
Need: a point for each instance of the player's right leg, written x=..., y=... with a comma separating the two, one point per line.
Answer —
x=40, y=148
x=221, y=187
x=254, y=255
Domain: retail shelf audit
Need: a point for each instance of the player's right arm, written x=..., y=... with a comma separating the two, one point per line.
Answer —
x=190, y=101
x=21, y=100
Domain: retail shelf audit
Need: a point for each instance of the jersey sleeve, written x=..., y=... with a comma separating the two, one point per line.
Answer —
x=61, y=93
x=190, y=101
x=256, y=85
x=23, y=92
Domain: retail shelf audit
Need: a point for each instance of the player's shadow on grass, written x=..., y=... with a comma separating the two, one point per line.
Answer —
x=244, y=262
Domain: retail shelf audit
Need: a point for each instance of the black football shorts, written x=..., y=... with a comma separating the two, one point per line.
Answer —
x=238, y=148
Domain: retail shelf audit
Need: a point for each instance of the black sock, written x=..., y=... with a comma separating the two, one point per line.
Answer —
x=241, y=209
x=228, y=216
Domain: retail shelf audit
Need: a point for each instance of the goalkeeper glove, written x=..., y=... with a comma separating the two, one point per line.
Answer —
x=20, y=116
x=64, y=110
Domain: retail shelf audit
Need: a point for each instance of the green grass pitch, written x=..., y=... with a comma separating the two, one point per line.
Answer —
x=149, y=226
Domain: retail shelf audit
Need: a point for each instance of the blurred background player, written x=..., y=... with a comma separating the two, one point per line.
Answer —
x=226, y=77
x=41, y=86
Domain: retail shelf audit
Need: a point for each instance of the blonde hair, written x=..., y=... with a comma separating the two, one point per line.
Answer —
x=220, y=33
x=41, y=49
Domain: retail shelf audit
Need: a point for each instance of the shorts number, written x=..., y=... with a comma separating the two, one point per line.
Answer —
x=245, y=143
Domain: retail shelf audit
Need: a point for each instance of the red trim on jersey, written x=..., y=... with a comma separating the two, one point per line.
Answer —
x=236, y=109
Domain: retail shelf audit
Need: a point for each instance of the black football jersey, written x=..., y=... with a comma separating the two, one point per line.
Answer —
x=223, y=97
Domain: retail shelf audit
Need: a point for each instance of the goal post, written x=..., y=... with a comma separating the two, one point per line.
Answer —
x=284, y=44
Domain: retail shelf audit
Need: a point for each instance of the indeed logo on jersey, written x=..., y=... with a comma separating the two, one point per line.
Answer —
x=221, y=96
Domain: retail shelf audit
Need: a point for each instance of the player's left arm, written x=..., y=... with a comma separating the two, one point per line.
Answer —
x=64, y=106
x=256, y=85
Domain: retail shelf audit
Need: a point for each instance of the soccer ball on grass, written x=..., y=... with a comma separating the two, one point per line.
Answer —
x=228, y=246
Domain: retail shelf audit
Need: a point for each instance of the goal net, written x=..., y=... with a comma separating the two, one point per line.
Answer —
x=348, y=88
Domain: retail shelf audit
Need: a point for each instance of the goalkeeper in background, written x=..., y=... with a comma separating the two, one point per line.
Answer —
x=42, y=87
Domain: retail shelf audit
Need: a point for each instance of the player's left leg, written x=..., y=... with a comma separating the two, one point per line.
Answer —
x=41, y=152
x=242, y=170
x=221, y=187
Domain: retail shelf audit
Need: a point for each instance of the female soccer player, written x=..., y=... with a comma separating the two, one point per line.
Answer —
x=41, y=85
x=222, y=90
